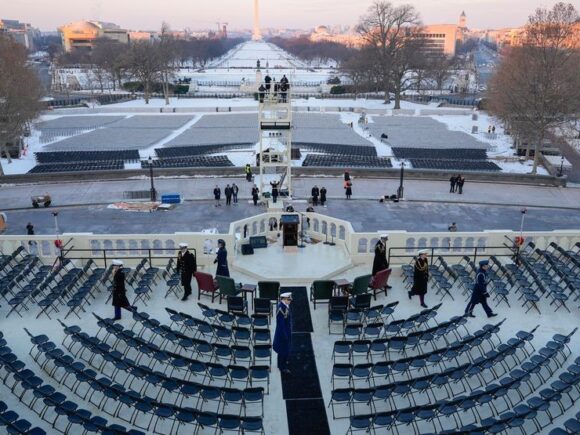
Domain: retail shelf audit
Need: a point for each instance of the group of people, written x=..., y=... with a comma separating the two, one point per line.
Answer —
x=318, y=195
x=456, y=183
x=479, y=293
x=491, y=129
x=270, y=86
x=229, y=192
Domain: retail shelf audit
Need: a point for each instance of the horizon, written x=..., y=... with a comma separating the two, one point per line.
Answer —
x=274, y=14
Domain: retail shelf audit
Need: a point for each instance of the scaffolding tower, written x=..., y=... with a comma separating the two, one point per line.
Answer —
x=275, y=130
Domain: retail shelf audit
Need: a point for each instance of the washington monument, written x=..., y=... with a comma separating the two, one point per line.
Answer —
x=256, y=35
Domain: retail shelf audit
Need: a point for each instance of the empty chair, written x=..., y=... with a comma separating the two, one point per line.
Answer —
x=206, y=285
x=321, y=290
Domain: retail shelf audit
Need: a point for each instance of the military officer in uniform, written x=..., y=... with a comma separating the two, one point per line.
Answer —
x=283, y=335
x=480, y=294
x=187, y=266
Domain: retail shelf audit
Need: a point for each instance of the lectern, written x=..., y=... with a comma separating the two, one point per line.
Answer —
x=290, y=224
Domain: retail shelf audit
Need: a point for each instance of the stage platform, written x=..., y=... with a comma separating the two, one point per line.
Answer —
x=315, y=261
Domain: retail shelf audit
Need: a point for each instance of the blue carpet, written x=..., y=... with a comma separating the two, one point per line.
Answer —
x=301, y=388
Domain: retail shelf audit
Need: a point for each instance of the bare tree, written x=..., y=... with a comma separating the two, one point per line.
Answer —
x=439, y=70
x=143, y=63
x=537, y=86
x=168, y=55
x=110, y=56
x=20, y=93
x=390, y=32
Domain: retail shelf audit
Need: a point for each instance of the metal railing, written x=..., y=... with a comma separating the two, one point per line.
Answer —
x=472, y=252
x=105, y=257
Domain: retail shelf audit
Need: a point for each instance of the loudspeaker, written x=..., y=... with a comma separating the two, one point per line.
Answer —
x=247, y=249
x=258, y=242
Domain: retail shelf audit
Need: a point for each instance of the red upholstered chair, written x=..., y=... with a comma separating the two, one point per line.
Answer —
x=379, y=282
x=206, y=285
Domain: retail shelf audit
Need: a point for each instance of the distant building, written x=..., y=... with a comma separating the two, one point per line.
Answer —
x=441, y=38
x=22, y=33
x=143, y=35
x=83, y=34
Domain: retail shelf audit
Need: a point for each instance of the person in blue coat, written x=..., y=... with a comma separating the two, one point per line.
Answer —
x=222, y=259
x=480, y=294
x=283, y=335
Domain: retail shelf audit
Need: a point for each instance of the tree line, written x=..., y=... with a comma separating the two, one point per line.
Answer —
x=151, y=63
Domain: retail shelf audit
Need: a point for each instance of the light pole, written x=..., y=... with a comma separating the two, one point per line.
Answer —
x=152, y=191
x=523, y=211
x=401, y=189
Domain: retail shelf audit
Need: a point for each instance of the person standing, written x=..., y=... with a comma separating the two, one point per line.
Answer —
x=228, y=193
x=420, y=277
x=380, y=261
x=274, y=185
x=268, y=81
x=322, y=196
x=480, y=294
x=30, y=229
x=235, y=191
x=222, y=259
x=119, y=292
x=315, y=192
x=261, y=93
x=282, y=344
x=248, y=171
x=255, y=194
x=186, y=266
x=217, y=193
x=452, y=182
x=460, y=183
x=348, y=188
x=452, y=228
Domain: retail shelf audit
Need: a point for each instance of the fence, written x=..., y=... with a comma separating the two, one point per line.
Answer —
x=402, y=245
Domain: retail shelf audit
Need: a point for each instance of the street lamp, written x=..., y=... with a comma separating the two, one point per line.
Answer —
x=152, y=190
x=561, y=171
x=401, y=189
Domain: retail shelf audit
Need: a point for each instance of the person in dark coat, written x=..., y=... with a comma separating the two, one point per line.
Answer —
x=282, y=344
x=268, y=81
x=30, y=229
x=322, y=196
x=261, y=93
x=255, y=194
x=346, y=176
x=380, y=261
x=217, y=193
x=119, y=292
x=235, y=191
x=186, y=266
x=348, y=188
x=228, y=192
x=275, y=185
x=480, y=294
x=315, y=193
x=452, y=182
x=460, y=183
x=420, y=277
x=222, y=259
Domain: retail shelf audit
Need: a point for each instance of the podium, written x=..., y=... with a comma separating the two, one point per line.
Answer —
x=290, y=224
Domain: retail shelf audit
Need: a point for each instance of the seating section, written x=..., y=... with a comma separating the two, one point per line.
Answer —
x=454, y=165
x=191, y=162
x=440, y=154
x=344, y=161
x=57, y=157
x=342, y=150
x=198, y=150
x=111, y=165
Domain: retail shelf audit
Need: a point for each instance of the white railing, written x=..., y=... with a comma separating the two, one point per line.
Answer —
x=402, y=245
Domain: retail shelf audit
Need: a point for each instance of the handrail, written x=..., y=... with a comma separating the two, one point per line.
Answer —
x=446, y=251
x=129, y=257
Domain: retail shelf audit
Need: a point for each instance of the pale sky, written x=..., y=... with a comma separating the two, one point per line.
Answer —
x=302, y=14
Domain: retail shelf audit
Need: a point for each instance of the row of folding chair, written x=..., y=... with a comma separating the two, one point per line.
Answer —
x=13, y=424
x=50, y=405
x=20, y=275
x=237, y=329
x=376, y=350
x=571, y=426
x=83, y=382
x=7, y=261
x=167, y=362
x=59, y=294
x=220, y=347
x=457, y=406
x=388, y=370
x=448, y=416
